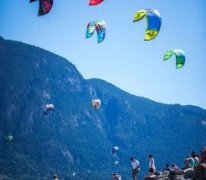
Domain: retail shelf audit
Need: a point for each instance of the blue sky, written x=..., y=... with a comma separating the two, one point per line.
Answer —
x=124, y=58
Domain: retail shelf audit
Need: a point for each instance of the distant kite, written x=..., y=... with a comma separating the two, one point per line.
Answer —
x=115, y=149
x=180, y=57
x=153, y=22
x=95, y=2
x=10, y=138
x=100, y=27
x=44, y=6
x=47, y=108
x=96, y=103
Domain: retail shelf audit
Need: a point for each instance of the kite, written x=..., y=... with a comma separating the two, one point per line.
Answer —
x=48, y=107
x=95, y=2
x=96, y=103
x=180, y=57
x=10, y=138
x=98, y=26
x=153, y=22
x=115, y=149
x=44, y=6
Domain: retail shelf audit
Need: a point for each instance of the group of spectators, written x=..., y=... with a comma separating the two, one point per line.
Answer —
x=194, y=169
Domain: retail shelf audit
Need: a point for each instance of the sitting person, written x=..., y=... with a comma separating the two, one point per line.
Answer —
x=151, y=175
x=203, y=155
x=175, y=171
x=200, y=172
x=189, y=162
x=195, y=157
x=174, y=167
x=167, y=168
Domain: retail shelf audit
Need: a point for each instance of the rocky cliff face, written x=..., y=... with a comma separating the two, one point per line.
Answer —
x=74, y=137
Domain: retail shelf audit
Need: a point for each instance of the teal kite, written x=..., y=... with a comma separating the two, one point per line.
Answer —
x=98, y=26
x=180, y=57
x=153, y=22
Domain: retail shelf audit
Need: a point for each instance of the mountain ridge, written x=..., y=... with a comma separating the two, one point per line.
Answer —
x=75, y=137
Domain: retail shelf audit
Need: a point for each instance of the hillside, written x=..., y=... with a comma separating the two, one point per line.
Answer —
x=74, y=137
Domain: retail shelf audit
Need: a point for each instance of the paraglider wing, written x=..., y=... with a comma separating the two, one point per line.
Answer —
x=180, y=57
x=90, y=29
x=95, y=2
x=153, y=22
x=45, y=6
x=101, y=30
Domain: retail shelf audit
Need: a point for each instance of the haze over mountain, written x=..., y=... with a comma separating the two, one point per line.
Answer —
x=74, y=137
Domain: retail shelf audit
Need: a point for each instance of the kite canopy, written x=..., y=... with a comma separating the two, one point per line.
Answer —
x=180, y=57
x=49, y=106
x=95, y=2
x=115, y=149
x=10, y=138
x=153, y=22
x=44, y=6
x=100, y=27
x=96, y=103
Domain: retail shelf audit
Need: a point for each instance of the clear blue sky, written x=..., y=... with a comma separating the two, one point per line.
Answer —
x=123, y=59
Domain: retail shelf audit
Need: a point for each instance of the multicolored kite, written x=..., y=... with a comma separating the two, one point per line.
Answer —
x=153, y=22
x=180, y=57
x=100, y=27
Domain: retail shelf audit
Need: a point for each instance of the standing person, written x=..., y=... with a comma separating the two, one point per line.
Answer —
x=151, y=163
x=135, y=167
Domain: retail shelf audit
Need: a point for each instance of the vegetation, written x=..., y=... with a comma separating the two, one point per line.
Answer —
x=74, y=137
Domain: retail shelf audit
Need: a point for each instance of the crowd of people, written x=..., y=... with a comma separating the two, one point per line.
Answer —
x=194, y=169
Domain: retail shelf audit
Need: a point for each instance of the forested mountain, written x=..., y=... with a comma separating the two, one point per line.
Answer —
x=75, y=137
